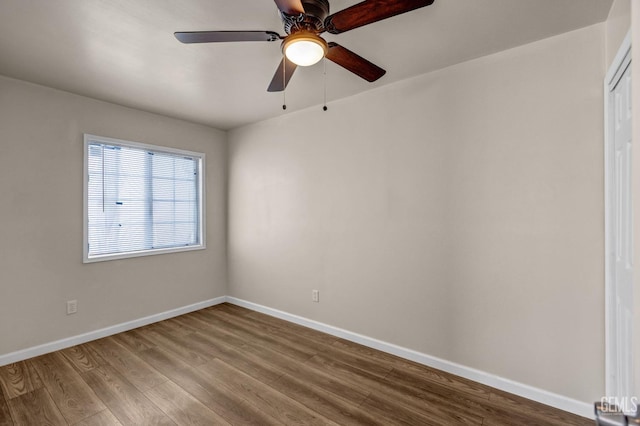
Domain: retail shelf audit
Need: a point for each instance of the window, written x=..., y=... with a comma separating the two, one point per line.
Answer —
x=140, y=199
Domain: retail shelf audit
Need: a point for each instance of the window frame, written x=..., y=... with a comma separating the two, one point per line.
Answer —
x=88, y=139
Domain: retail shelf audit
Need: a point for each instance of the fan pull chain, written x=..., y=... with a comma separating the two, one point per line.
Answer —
x=284, y=82
x=324, y=64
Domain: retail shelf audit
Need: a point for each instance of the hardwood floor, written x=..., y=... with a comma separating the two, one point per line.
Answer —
x=228, y=365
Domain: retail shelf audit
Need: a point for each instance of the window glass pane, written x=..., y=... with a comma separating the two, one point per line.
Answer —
x=184, y=168
x=185, y=211
x=140, y=199
x=163, y=189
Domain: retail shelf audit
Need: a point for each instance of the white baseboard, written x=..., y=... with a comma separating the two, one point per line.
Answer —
x=104, y=332
x=545, y=397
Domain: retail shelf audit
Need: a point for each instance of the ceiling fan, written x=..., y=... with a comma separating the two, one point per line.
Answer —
x=304, y=21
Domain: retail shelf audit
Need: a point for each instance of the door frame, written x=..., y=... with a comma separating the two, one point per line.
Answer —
x=622, y=58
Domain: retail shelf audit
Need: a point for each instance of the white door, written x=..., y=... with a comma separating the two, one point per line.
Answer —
x=619, y=234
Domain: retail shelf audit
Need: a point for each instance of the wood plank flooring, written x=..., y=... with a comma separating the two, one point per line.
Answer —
x=228, y=365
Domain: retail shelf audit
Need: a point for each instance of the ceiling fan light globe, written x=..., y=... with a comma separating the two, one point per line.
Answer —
x=304, y=53
x=305, y=49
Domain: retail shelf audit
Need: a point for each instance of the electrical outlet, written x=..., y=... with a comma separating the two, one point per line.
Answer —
x=72, y=307
x=315, y=295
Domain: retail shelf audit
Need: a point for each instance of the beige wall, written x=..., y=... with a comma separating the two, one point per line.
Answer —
x=41, y=161
x=458, y=213
x=617, y=26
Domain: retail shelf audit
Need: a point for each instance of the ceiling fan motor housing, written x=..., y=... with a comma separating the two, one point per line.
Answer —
x=312, y=20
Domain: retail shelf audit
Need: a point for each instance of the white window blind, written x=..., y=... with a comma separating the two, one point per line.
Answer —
x=140, y=199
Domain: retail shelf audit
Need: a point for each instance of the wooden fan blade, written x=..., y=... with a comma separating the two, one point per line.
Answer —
x=225, y=36
x=354, y=63
x=368, y=12
x=290, y=7
x=282, y=76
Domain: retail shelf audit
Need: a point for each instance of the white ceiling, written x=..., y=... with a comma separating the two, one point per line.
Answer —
x=124, y=51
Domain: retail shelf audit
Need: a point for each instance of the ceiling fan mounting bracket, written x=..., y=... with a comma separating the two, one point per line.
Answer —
x=329, y=26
